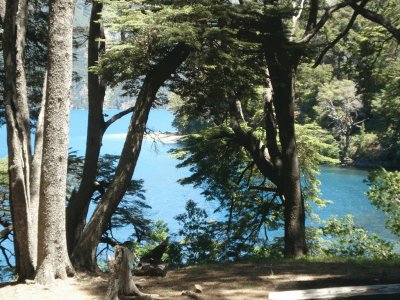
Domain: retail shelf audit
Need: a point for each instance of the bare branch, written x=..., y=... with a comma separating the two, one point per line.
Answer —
x=379, y=19
x=296, y=17
x=118, y=116
x=250, y=165
x=325, y=17
x=3, y=250
x=340, y=36
x=109, y=241
x=263, y=188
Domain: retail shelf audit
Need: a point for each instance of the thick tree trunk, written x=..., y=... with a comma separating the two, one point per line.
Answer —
x=84, y=254
x=53, y=261
x=282, y=59
x=18, y=135
x=80, y=200
x=289, y=185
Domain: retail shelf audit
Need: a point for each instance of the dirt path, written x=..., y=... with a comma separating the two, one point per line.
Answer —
x=230, y=281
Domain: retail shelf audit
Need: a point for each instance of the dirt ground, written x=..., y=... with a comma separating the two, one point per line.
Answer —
x=229, y=281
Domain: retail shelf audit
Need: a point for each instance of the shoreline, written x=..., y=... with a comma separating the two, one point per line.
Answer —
x=166, y=138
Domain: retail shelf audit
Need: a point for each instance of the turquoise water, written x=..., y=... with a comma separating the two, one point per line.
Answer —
x=345, y=187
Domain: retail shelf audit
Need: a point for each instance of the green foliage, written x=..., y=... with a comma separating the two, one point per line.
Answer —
x=200, y=237
x=229, y=178
x=131, y=210
x=308, y=81
x=385, y=107
x=340, y=237
x=384, y=193
x=316, y=147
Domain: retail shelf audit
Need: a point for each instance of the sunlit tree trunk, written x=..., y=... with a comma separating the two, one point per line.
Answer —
x=53, y=260
x=18, y=136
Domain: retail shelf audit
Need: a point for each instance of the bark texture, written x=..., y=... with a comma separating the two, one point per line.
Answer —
x=80, y=200
x=282, y=59
x=53, y=261
x=18, y=135
x=121, y=281
x=84, y=254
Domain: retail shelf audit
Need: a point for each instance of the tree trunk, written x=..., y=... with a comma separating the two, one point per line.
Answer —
x=53, y=261
x=18, y=135
x=121, y=281
x=36, y=166
x=84, y=254
x=282, y=59
x=80, y=200
x=289, y=183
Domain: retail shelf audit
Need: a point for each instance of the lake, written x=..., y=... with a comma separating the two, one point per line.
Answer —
x=345, y=187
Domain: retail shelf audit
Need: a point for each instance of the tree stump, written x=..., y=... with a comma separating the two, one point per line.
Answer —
x=121, y=282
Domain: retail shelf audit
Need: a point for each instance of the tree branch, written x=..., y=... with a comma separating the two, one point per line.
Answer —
x=309, y=34
x=3, y=250
x=379, y=19
x=270, y=121
x=340, y=36
x=253, y=145
x=118, y=116
x=250, y=165
x=263, y=188
x=109, y=241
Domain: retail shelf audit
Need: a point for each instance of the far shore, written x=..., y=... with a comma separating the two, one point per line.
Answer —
x=164, y=137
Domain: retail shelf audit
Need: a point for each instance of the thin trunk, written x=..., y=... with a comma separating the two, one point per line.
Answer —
x=36, y=171
x=80, y=200
x=53, y=261
x=18, y=135
x=84, y=254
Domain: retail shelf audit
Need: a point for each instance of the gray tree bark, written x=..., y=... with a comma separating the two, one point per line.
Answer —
x=18, y=135
x=53, y=260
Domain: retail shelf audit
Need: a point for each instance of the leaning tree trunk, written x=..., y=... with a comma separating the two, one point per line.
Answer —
x=53, y=260
x=18, y=135
x=79, y=203
x=84, y=254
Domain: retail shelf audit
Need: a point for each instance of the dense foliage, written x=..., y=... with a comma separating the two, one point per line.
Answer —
x=384, y=193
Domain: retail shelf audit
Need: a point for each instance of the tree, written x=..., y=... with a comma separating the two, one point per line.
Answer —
x=18, y=138
x=80, y=199
x=384, y=193
x=340, y=104
x=53, y=261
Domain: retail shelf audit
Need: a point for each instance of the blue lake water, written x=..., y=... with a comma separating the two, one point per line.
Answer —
x=345, y=187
